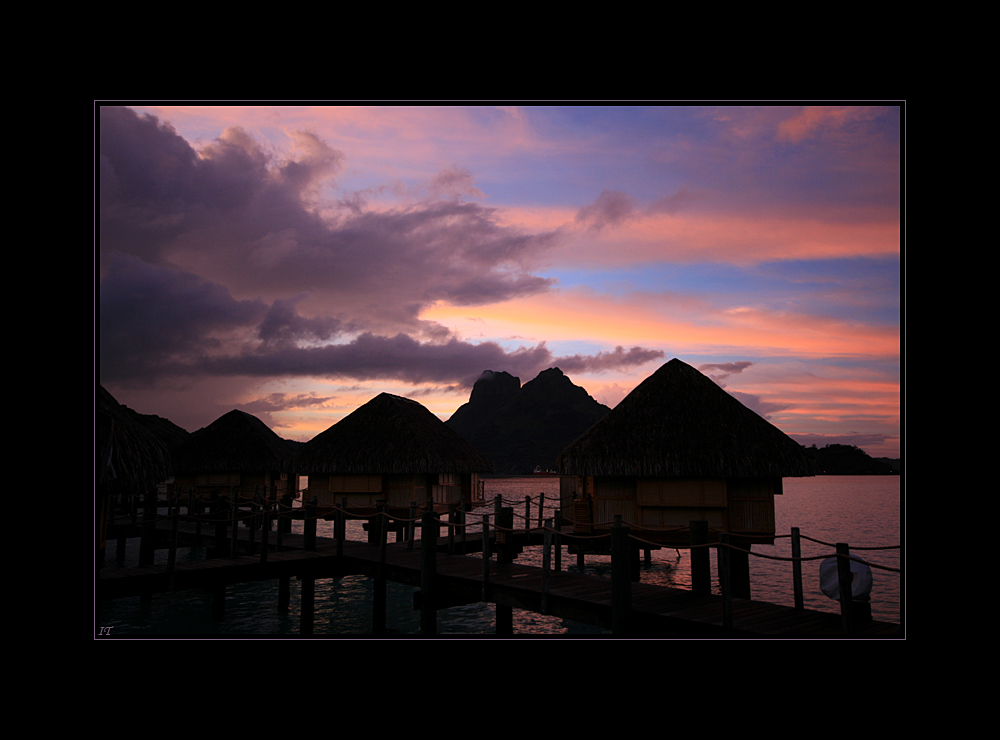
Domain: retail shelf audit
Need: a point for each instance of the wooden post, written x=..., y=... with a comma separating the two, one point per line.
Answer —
x=219, y=507
x=175, y=515
x=265, y=530
x=428, y=572
x=234, y=512
x=309, y=526
x=342, y=514
x=527, y=516
x=308, y=582
x=252, y=523
x=701, y=574
x=844, y=583
x=451, y=529
x=486, y=556
x=797, y=568
x=281, y=511
x=541, y=509
x=411, y=525
x=546, y=560
x=557, y=541
x=621, y=578
x=285, y=523
x=725, y=581
x=739, y=569
x=505, y=555
x=378, y=593
x=146, y=546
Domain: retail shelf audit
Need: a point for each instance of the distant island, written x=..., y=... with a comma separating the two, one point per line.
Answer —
x=837, y=459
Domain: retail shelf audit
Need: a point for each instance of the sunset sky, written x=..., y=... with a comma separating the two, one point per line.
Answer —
x=295, y=261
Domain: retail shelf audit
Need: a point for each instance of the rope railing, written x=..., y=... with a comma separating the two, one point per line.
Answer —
x=498, y=529
x=370, y=512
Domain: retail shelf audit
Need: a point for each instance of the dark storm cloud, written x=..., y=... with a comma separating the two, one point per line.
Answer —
x=618, y=359
x=722, y=370
x=250, y=220
x=210, y=258
x=371, y=357
x=151, y=315
x=282, y=325
x=159, y=322
x=758, y=405
x=611, y=208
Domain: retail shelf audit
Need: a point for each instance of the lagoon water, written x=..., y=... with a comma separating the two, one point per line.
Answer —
x=863, y=511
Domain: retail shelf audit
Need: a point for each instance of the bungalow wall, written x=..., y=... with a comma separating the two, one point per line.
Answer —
x=399, y=490
x=245, y=484
x=733, y=505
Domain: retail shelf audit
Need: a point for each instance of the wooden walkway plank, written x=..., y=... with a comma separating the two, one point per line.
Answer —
x=576, y=596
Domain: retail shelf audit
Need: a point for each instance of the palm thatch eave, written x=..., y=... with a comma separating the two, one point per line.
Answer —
x=236, y=442
x=678, y=423
x=389, y=435
x=127, y=453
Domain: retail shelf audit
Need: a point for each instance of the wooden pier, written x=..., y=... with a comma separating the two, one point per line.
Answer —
x=627, y=608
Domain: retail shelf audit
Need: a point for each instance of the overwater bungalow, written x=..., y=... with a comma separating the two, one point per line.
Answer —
x=678, y=449
x=391, y=449
x=236, y=453
x=130, y=460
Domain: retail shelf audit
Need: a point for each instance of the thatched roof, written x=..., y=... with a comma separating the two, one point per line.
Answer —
x=127, y=452
x=679, y=423
x=389, y=435
x=236, y=442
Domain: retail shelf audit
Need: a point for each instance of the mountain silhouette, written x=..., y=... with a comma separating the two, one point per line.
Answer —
x=523, y=427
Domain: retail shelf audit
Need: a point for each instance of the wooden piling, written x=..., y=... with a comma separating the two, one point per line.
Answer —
x=146, y=547
x=797, y=568
x=505, y=554
x=234, y=517
x=428, y=572
x=725, y=580
x=175, y=516
x=486, y=556
x=341, y=522
x=621, y=578
x=378, y=593
x=701, y=575
x=844, y=584
x=546, y=561
x=308, y=583
x=265, y=530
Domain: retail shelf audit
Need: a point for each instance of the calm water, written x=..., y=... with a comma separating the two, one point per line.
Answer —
x=864, y=511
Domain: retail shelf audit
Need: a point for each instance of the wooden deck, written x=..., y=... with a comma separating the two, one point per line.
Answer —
x=656, y=610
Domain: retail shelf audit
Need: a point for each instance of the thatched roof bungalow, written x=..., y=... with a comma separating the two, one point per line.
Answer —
x=391, y=449
x=237, y=452
x=130, y=460
x=679, y=448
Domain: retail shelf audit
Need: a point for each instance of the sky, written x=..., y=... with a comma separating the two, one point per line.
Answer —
x=294, y=261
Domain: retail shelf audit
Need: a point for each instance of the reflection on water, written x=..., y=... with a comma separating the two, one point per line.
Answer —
x=859, y=510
